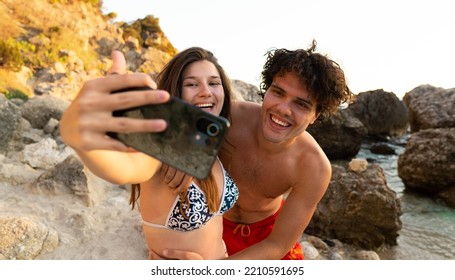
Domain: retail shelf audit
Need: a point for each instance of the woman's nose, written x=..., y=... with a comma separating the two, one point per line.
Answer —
x=205, y=90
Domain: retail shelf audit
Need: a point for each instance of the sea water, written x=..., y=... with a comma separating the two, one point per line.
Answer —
x=428, y=231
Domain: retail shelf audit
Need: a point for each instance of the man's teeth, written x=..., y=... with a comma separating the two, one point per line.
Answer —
x=277, y=121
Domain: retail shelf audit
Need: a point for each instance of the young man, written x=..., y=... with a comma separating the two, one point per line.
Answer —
x=280, y=170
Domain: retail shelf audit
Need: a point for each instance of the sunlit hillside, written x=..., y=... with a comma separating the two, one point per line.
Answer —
x=37, y=35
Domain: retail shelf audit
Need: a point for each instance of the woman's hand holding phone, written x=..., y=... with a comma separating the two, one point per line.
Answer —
x=89, y=117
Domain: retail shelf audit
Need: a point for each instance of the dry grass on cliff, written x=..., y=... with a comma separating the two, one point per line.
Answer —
x=54, y=26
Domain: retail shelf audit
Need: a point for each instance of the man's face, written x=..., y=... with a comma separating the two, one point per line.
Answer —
x=287, y=109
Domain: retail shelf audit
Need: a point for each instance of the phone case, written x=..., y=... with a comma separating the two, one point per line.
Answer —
x=191, y=141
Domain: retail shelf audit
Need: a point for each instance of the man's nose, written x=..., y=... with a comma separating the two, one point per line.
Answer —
x=284, y=108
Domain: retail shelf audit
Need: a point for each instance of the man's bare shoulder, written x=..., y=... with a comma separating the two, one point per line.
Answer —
x=245, y=113
x=243, y=107
x=312, y=159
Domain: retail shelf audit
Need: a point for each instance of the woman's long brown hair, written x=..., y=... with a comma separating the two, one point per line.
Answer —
x=171, y=79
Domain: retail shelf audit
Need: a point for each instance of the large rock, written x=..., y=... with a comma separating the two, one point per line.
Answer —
x=382, y=113
x=358, y=208
x=45, y=154
x=340, y=136
x=40, y=109
x=16, y=174
x=70, y=177
x=430, y=107
x=10, y=119
x=428, y=163
x=24, y=239
x=245, y=91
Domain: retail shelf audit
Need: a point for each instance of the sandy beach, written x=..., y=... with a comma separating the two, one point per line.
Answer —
x=108, y=231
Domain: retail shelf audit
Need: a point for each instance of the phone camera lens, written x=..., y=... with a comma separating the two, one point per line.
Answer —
x=213, y=129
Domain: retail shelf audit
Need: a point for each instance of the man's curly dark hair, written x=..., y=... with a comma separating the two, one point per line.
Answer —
x=322, y=76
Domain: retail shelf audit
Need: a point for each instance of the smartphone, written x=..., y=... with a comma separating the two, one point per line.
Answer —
x=191, y=141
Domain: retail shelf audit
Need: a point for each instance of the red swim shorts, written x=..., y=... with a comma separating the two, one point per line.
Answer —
x=240, y=236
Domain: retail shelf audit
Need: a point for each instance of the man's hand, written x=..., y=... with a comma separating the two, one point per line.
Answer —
x=175, y=179
x=154, y=256
x=181, y=255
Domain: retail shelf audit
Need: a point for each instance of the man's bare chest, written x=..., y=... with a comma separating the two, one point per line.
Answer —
x=259, y=175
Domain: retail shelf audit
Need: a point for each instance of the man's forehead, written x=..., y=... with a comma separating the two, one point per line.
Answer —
x=290, y=82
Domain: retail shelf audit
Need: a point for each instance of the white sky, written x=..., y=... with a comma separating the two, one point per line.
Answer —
x=395, y=45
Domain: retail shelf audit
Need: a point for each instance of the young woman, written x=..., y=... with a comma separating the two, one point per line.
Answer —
x=191, y=220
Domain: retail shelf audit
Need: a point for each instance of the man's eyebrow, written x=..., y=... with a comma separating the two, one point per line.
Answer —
x=277, y=87
x=299, y=99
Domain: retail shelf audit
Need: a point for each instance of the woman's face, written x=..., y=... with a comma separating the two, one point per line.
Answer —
x=202, y=86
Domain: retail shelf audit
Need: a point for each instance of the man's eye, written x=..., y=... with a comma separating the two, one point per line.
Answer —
x=303, y=105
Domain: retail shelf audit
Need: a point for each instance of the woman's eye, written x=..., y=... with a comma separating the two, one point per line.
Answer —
x=214, y=82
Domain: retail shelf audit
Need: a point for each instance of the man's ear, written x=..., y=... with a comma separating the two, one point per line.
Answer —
x=315, y=118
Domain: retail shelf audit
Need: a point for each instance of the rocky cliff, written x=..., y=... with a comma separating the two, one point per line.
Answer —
x=52, y=46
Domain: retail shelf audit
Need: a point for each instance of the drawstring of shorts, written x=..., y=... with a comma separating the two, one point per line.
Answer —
x=244, y=230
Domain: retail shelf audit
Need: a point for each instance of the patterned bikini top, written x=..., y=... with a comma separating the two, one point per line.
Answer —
x=197, y=211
